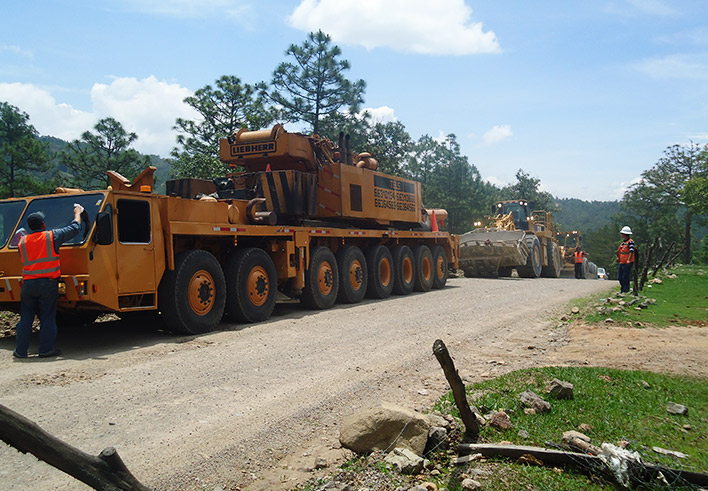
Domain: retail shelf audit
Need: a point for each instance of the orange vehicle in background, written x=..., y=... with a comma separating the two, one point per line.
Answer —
x=306, y=220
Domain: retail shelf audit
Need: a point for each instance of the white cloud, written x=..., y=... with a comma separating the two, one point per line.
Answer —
x=654, y=7
x=237, y=10
x=698, y=136
x=148, y=107
x=442, y=27
x=496, y=181
x=619, y=188
x=676, y=66
x=497, y=134
x=11, y=48
x=47, y=115
x=383, y=114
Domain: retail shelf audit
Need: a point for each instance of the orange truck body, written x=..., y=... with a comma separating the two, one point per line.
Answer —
x=293, y=225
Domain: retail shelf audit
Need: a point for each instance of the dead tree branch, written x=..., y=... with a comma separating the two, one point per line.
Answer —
x=105, y=472
x=458, y=389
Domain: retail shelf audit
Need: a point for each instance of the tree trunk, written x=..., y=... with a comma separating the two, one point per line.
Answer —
x=687, y=239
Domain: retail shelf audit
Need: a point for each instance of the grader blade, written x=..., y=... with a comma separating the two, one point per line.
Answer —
x=484, y=250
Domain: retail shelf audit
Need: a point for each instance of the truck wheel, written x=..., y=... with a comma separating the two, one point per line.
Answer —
x=192, y=297
x=403, y=270
x=504, y=272
x=379, y=265
x=353, y=278
x=321, y=280
x=423, y=261
x=532, y=268
x=553, y=270
x=440, y=266
x=251, y=285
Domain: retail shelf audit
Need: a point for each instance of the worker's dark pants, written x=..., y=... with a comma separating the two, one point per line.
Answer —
x=624, y=275
x=38, y=297
x=579, y=271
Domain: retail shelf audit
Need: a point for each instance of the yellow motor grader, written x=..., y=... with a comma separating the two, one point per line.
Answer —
x=515, y=238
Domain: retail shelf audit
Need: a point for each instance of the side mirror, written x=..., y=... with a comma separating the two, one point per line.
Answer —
x=103, y=235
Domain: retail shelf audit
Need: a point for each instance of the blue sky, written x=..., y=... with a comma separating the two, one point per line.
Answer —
x=582, y=95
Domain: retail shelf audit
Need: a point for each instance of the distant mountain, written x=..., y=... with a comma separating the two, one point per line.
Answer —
x=576, y=214
x=57, y=145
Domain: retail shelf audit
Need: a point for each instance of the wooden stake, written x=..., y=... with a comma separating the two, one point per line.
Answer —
x=458, y=389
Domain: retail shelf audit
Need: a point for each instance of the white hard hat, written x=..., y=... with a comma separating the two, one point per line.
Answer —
x=626, y=230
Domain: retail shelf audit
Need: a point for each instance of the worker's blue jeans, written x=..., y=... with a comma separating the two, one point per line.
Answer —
x=38, y=297
x=624, y=275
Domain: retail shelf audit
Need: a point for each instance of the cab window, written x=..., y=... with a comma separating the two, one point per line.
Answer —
x=133, y=221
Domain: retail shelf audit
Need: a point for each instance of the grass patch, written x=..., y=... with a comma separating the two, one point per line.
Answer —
x=682, y=300
x=618, y=405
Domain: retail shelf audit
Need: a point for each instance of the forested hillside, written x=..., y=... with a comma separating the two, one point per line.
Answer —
x=576, y=214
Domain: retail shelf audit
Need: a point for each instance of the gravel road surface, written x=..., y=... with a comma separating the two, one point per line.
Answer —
x=251, y=406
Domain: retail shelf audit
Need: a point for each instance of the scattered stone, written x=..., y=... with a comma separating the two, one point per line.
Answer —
x=623, y=444
x=575, y=310
x=655, y=281
x=616, y=309
x=523, y=434
x=531, y=399
x=428, y=486
x=560, y=389
x=321, y=463
x=529, y=459
x=622, y=303
x=571, y=434
x=404, y=461
x=438, y=439
x=584, y=428
x=674, y=408
x=530, y=411
x=378, y=427
x=609, y=320
x=671, y=276
x=500, y=420
x=687, y=427
x=638, y=309
x=471, y=484
x=638, y=324
x=672, y=453
x=644, y=304
x=564, y=318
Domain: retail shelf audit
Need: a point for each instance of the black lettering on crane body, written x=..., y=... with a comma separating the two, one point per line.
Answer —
x=240, y=150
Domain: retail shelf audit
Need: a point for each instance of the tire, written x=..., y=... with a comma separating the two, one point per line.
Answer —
x=379, y=266
x=251, y=285
x=553, y=270
x=532, y=268
x=403, y=270
x=440, y=267
x=504, y=272
x=321, y=280
x=353, y=277
x=192, y=297
x=423, y=268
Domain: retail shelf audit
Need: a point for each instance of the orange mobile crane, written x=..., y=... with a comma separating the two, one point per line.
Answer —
x=306, y=219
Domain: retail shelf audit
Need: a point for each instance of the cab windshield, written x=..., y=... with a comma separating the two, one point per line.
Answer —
x=59, y=212
x=10, y=212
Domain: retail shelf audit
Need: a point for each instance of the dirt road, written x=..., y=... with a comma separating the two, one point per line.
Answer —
x=224, y=408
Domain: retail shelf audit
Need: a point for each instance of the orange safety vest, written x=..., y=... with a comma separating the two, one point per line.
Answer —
x=39, y=260
x=579, y=257
x=624, y=254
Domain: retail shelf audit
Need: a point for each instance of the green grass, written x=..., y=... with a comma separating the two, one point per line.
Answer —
x=616, y=404
x=679, y=301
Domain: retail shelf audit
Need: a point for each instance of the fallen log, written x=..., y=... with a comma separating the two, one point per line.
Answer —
x=458, y=389
x=645, y=473
x=105, y=472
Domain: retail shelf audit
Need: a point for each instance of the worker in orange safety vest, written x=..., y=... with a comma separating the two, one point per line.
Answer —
x=625, y=258
x=39, y=252
x=579, y=256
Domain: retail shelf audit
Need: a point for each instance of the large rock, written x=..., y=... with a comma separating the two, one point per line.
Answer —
x=384, y=427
